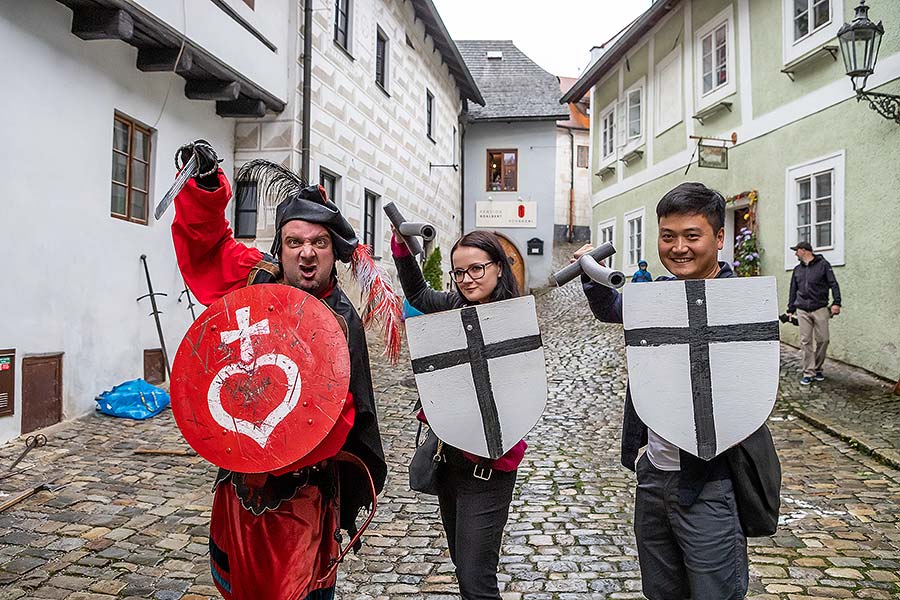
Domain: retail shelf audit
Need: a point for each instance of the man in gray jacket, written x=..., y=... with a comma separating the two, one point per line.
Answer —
x=810, y=283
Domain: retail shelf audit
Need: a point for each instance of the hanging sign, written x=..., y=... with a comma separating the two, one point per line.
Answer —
x=712, y=157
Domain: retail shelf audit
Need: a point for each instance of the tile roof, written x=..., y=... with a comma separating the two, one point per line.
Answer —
x=514, y=87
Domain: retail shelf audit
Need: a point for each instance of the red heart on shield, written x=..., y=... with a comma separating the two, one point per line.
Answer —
x=260, y=378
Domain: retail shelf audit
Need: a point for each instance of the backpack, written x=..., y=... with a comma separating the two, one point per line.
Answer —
x=756, y=478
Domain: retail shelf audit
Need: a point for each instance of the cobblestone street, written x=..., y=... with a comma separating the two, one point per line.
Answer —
x=135, y=525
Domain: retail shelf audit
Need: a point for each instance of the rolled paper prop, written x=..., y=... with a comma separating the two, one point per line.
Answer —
x=425, y=231
x=567, y=274
x=600, y=274
x=397, y=220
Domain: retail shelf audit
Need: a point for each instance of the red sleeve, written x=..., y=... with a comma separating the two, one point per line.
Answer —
x=212, y=262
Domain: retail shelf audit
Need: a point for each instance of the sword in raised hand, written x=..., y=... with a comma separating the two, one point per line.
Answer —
x=190, y=169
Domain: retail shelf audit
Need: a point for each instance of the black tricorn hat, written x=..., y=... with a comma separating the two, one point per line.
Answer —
x=295, y=200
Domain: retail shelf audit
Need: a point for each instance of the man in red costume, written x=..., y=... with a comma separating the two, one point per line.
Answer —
x=276, y=536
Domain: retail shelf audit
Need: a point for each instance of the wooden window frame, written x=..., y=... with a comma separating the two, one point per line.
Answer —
x=249, y=191
x=370, y=219
x=129, y=157
x=429, y=114
x=381, y=61
x=488, y=169
x=342, y=17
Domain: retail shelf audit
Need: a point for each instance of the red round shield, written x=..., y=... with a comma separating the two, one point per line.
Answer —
x=260, y=378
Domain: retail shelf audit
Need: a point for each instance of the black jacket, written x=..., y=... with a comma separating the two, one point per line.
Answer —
x=810, y=284
x=606, y=304
x=418, y=294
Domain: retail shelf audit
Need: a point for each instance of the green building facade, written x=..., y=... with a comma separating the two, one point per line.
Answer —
x=810, y=162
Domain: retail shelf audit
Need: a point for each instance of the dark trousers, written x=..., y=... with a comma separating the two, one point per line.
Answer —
x=322, y=594
x=696, y=551
x=474, y=513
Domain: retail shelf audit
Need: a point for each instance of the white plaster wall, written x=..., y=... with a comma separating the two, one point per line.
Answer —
x=564, y=158
x=370, y=139
x=71, y=272
x=537, y=145
x=212, y=29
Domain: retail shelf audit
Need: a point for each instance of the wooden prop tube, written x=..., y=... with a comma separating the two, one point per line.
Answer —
x=397, y=220
x=423, y=230
x=567, y=274
x=600, y=274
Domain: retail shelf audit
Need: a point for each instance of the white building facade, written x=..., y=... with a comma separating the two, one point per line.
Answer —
x=388, y=89
x=92, y=130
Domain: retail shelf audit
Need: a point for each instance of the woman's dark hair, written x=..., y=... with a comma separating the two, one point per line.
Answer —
x=693, y=199
x=489, y=242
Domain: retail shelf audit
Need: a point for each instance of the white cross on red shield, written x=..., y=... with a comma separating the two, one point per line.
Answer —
x=260, y=378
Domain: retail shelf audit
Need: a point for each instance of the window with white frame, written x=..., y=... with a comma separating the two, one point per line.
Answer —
x=606, y=232
x=715, y=62
x=634, y=236
x=371, y=205
x=381, y=58
x=814, y=211
x=631, y=116
x=808, y=24
x=608, y=131
x=668, y=91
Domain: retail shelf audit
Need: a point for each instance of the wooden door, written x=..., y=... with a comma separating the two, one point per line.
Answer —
x=41, y=391
x=154, y=366
x=515, y=261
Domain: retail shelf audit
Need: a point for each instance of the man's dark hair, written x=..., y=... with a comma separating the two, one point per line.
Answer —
x=693, y=199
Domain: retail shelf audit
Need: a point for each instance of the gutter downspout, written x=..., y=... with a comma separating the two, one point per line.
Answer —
x=571, y=186
x=307, y=88
x=462, y=170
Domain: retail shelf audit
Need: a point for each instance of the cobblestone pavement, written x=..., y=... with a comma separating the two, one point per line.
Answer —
x=135, y=526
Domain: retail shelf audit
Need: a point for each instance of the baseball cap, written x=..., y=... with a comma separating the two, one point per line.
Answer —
x=802, y=246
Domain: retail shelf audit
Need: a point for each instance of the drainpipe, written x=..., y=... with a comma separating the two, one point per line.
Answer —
x=462, y=173
x=571, y=186
x=307, y=86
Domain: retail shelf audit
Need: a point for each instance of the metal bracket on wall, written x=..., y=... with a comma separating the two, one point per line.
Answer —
x=431, y=165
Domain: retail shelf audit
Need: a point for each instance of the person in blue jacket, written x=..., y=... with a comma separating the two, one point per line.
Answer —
x=642, y=274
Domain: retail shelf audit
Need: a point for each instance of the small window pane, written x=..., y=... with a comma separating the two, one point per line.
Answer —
x=805, y=189
x=141, y=145
x=823, y=185
x=720, y=35
x=246, y=224
x=823, y=210
x=803, y=234
x=803, y=214
x=120, y=168
x=823, y=235
x=138, y=205
x=120, y=136
x=707, y=82
x=821, y=13
x=119, y=194
x=801, y=18
x=138, y=175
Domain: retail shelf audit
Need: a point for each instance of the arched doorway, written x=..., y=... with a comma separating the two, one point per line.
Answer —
x=516, y=262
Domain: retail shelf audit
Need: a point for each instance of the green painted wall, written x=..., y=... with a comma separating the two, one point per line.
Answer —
x=670, y=34
x=865, y=334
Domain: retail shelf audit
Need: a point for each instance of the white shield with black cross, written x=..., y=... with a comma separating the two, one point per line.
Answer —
x=703, y=358
x=480, y=373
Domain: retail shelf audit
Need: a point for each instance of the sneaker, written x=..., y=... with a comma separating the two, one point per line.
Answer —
x=806, y=381
x=820, y=376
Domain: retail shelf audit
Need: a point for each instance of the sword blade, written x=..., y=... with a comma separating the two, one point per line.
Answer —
x=188, y=171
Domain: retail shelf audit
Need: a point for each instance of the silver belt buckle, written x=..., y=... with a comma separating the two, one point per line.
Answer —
x=482, y=473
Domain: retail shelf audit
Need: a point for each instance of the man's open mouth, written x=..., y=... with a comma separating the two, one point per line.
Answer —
x=308, y=271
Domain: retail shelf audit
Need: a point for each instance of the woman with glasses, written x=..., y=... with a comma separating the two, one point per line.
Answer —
x=474, y=493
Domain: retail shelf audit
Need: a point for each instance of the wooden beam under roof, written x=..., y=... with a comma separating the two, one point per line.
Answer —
x=102, y=24
x=212, y=89
x=243, y=107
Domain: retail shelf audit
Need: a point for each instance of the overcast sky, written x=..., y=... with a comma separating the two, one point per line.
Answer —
x=556, y=34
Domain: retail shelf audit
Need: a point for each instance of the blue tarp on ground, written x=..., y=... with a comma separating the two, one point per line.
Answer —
x=134, y=399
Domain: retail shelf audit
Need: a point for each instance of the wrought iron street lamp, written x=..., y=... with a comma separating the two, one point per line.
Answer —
x=860, y=40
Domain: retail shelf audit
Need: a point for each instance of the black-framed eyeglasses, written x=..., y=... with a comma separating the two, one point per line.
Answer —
x=474, y=271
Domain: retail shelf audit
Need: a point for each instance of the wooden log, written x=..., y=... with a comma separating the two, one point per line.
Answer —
x=102, y=24
x=242, y=107
x=212, y=89
x=152, y=60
